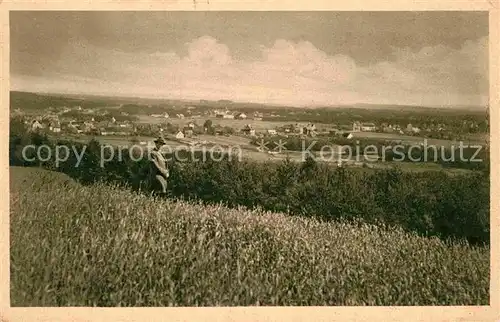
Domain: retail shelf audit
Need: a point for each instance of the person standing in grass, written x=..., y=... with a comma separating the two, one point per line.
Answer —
x=158, y=168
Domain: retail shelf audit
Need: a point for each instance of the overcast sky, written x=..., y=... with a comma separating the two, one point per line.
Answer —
x=298, y=58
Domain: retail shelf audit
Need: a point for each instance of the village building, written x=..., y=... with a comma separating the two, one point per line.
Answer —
x=88, y=126
x=36, y=125
x=363, y=127
x=76, y=126
x=55, y=127
x=348, y=135
x=299, y=129
x=257, y=116
x=188, y=132
x=387, y=128
x=248, y=130
x=368, y=127
x=310, y=129
x=179, y=135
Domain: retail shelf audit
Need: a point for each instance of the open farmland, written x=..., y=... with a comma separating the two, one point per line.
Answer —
x=74, y=245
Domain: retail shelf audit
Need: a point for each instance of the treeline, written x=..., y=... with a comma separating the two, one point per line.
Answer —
x=430, y=203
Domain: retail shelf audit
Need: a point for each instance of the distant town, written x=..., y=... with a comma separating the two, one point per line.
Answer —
x=83, y=117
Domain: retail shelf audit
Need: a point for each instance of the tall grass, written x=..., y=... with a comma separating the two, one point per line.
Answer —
x=99, y=245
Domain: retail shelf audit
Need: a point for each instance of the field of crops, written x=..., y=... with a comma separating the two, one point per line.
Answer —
x=74, y=245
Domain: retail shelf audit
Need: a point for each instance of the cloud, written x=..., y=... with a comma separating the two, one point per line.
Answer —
x=287, y=72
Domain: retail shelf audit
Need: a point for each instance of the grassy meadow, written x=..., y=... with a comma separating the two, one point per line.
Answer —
x=100, y=245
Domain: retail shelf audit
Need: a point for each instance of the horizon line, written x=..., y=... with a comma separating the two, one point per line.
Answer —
x=315, y=106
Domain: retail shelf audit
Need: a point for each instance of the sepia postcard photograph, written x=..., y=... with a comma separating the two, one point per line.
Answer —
x=211, y=158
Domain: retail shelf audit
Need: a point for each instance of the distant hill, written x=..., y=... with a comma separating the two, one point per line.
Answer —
x=37, y=101
x=33, y=101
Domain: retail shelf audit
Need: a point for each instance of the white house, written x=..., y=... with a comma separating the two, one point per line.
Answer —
x=242, y=116
x=179, y=135
x=228, y=116
x=35, y=125
x=368, y=127
x=310, y=129
x=55, y=127
x=248, y=130
x=272, y=132
x=348, y=135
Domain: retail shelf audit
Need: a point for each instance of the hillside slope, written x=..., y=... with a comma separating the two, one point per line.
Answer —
x=74, y=245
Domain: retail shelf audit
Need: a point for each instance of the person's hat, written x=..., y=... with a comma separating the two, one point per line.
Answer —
x=159, y=141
